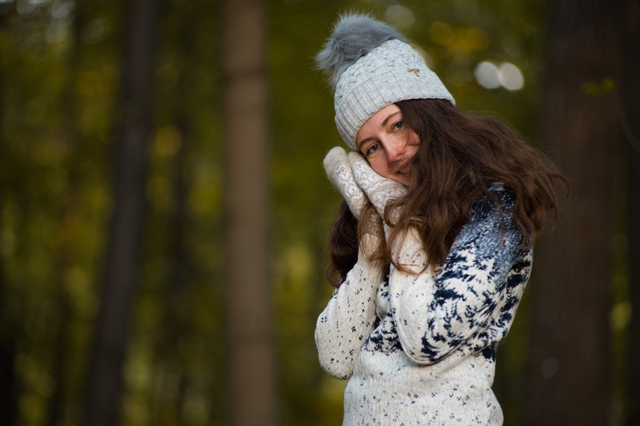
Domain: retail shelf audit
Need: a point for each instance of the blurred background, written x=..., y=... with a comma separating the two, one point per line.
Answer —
x=164, y=212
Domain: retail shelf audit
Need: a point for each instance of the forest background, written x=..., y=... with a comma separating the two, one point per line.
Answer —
x=117, y=214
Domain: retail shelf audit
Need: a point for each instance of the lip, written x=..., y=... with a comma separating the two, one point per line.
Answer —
x=404, y=167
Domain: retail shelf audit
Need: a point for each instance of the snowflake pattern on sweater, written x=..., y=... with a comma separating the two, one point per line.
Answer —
x=420, y=349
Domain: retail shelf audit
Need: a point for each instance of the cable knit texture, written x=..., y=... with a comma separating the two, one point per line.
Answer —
x=336, y=164
x=379, y=190
x=390, y=73
x=420, y=349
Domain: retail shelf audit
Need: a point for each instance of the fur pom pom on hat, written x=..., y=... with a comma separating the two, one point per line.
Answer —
x=372, y=66
x=354, y=36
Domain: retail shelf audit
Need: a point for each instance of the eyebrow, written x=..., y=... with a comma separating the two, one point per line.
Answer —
x=383, y=124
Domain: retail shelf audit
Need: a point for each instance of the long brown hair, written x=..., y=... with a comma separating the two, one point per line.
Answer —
x=461, y=154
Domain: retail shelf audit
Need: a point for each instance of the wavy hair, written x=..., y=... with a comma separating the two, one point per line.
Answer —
x=461, y=154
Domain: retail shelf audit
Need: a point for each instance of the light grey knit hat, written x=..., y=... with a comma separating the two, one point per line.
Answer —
x=372, y=66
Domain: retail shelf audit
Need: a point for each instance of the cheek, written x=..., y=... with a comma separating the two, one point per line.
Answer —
x=413, y=139
x=413, y=145
x=379, y=166
x=412, y=151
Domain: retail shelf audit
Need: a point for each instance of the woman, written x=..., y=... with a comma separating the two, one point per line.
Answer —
x=432, y=249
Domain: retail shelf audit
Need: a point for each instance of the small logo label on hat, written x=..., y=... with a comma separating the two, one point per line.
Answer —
x=415, y=71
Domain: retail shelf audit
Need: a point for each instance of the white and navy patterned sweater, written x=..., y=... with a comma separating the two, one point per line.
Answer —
x=420, y=349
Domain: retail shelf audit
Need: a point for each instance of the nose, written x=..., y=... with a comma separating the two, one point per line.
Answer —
x=395, y=150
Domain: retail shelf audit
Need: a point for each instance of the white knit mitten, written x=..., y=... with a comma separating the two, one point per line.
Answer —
x=378, y=189
x=336, y=164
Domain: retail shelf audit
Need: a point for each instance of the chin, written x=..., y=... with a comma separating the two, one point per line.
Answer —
x=404, y=180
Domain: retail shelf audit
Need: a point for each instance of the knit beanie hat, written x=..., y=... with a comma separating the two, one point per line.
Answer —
x=371, y=66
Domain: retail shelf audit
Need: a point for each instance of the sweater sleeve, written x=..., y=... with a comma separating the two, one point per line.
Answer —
x=473, y=297
x=348, y=319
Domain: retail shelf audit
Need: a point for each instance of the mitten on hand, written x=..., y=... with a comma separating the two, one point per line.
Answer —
x=378, y=189
x=336, y=164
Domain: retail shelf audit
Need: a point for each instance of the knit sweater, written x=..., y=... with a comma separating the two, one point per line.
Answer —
x=420, y=349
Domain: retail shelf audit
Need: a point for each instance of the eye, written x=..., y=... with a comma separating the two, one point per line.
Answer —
x=398, y=125
x=372, y=149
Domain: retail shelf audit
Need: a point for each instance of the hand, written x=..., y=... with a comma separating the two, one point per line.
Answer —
x=378, y=189
x=336, y=164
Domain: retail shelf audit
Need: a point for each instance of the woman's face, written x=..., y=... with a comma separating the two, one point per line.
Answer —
x=389, y=145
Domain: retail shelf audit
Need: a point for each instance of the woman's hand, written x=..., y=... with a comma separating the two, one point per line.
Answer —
x=378, y=189
x=339, y=172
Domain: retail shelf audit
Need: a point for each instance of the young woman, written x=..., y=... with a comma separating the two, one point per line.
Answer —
x=432, y=248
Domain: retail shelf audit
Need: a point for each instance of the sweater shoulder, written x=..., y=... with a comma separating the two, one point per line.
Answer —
x=492, y=226
x=497, y=201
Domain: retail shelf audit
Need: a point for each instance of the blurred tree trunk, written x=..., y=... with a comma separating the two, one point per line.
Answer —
x=121, y=267
x=631, y=117
x=68, y=236
x=8, y=400
x=176, y=324
x=251, y=359
x=570, y=339
x=8, y=349
x=175, y=321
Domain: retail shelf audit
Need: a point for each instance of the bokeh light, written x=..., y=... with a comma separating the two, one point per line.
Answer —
x=400, y=16
x=487, y=75
x=511, y=77
x=492, y=76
